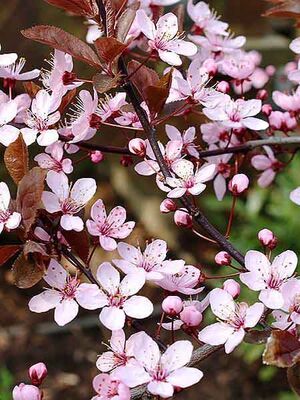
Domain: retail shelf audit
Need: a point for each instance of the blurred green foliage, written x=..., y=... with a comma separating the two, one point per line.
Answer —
x=6, y=380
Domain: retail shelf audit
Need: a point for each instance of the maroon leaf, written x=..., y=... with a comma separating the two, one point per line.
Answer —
x=29, y=195
x=31, y=88
x=64, y=41
x=79, y=243
x=284, y=9
x=7, y=252
x=125, y=21
x=27, y=272
x=108, y=48
x=66, y=100
x=110, y=17
x=142, y=77
x=16, y=159
x=32, y=247
x=254, y=336
x=103, y=83
x=157, y=95
x=282, y=349
x=85, y=8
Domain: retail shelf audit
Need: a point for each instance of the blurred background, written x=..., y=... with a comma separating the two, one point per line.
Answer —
x=71, y=352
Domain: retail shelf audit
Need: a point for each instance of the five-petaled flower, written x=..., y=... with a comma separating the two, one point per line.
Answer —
x=110, y=227
x=109, y=388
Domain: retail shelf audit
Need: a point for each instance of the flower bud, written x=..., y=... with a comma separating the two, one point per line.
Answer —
x=211, y=66
x=168, y=205
x=223, y=87
x=126, y=161
x=232, y=287
x=238, y=184
x=172, y=305
x=137, y=146
x=223, y=258
x=190, y=316
x=267, y=238
x=26, y=392
x=37, y=373
x=96, y=156
x=183, y=218
x=266, y=109
x=262, y=94
x=270, y=70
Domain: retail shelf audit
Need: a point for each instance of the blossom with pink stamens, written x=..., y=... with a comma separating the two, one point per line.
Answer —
x=268, y=164
x=109, y=388
x=54, y=161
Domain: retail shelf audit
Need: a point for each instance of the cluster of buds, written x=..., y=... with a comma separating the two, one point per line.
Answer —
x=37, y=373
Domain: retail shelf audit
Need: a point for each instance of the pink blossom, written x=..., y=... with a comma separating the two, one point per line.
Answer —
x=26, y=392
x=291, y=295
x=214, y=132
x=163, y=373
x=172, y=305
x=282, y=121
x=40, y=119
x=54, y=161
x=109, y=106
x=205, y=19
x=164, y=37
x=37, y=373
x=8, y=133
x=268, y=164
x=120, y=352
x=183, y=281
x=283, y=322
x=267, y=238
x=7, y=59
x=238, y=66
x=108, y=228
x=187, y=139
x=267, y=277
x=188, y=181
x=223, y=258
x=119, y=298
x=232, y=287
x=61, y=77
x=288, y=102
x=238, y=114
x=295, y=196
x=223, y=87
x=128, y=118
x=182, y=218
x=8, y=218
x=217, y=44
x=222, y=171
x=190, y=316
x=152, y=261
x=97, y=156
x=12, y=73
x=235, y=319
x=66, y=200
x=65, y=294
x=109, y=388
x=238, y=184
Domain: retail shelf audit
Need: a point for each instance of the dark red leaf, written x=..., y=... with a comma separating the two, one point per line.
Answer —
x=79, y=243
x=85, y=8
x=27, y=272
x=157, y=95
x=66, y=100
x=142, y=77
x=125, y=21
x=64, y=41
x=284, y=9
x=7, y=252
x=31, y=88
x=108, y=48
x=16, y=159
x=104, y=83
x=282, y=349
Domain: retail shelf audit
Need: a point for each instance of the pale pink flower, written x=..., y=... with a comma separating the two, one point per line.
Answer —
x=282, y=121
x=61, y=77
x=14, y=73
x=55, y=161
x=8, y=133
x=128, y=118
x=183, y=281
x=162, y=373
x=222, y=172
x=23, y=102
x=288, y=102
x=188, y=181
x=119, y=354
x=238, y=184
x=26, y=392
x=110, y=106
x=219, y=44
x=238, y=114
x=172, y=305
x=40, y=119
x=37, y=373
x=267, y=277
x=294, y=75
x=238, y=66
x=109, y=388
x=187, y=138
x=191, y=317
x=167, y=205
x=283, y=322
x=214, y=132
x=66, y=200
x=232, y=287
x=164, y=38
x=206, y=20
x=108, y=228
x=291, y=295
x=65, y=294
x=235, y=319
x=268, y=164
x=8, y=219
x=152, y=261
x=295, y=196
x=7, y=59
x=120, y=297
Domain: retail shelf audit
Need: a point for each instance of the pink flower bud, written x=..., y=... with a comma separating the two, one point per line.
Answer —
x=26, y=392
x=168, y=205
x=96, y=156
x=137, y=146
x=266, y=109
x=172, y=305
x=223, y=87
x=183, y=218
x=238, y=184
x=232, y=287
x=270, y=70
x=37, y=373
x=190, y=316
x=262, y=94
x=267, y=238
x=223, y=258
x=211, y=66
x=126, y=161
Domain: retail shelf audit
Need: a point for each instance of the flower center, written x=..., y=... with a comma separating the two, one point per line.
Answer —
x=69, y=206
x=70, y=288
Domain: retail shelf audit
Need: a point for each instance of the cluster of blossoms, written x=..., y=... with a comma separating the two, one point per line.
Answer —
x=64, y=112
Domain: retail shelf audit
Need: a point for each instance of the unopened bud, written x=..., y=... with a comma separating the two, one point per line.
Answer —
x=267, y=238
x=262, y=94
x=232, y=287
x=183, y=218
x=26, y=392
x=211, y=66
x=238, y=184
x=223, y=258
x=126, y=161
x=172, y=305
x=168, y=205
x=96, y=156
x=223, y=87
x=137, y=146
x=266, y=109
x=37, y=373
x=190, y=316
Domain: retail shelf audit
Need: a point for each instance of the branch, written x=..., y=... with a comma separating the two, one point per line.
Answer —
x=104, y=149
